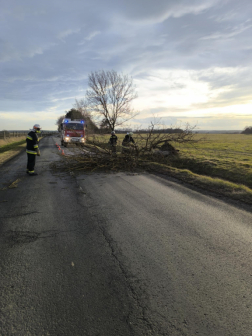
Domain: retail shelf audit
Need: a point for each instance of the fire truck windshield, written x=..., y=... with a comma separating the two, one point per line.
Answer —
x=74, y=126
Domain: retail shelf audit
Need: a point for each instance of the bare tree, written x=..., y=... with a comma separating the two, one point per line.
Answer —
x=81, y=106
x=109, y=97
x=59, y=121
x=155, y=138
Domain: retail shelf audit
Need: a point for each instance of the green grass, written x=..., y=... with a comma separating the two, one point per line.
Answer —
x=226, y=156
x=223, y=187
x=11, y=146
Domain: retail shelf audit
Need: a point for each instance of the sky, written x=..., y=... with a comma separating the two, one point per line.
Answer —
x=191, y=61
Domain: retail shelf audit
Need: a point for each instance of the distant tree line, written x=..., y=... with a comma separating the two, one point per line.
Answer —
x=164, y=130
x=247, y=130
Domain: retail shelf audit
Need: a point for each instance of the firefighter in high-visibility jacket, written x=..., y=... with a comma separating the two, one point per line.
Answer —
x=32, y=149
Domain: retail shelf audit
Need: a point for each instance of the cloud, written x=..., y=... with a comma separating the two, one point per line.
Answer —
x=185, y=57
x=62, y=35
x=232, y=32
x=145, y=11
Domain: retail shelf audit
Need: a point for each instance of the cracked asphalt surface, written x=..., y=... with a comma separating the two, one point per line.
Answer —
x=119, y=254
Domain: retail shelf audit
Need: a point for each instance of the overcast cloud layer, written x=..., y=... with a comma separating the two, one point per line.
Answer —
x=190, y=60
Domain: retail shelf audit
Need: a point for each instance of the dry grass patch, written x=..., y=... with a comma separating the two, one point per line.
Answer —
x=11, y=147
x=225, y=156
x=8, y=141
x=226, y=188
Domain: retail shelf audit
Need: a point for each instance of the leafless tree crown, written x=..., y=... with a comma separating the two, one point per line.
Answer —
x=110, y=95
x=59, y=121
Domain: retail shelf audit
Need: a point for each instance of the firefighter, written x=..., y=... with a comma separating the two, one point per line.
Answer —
x=128, y=139
x=113, y=141
x=113, y=138
x=128, y=143
x=32, y=149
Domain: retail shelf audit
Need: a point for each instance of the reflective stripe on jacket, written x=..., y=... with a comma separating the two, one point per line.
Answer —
x=113, y=139
x=32, y=143
x=31, y=152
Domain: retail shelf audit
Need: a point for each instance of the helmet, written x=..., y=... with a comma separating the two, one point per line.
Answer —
x=113, y=132
x=37, y=128
x=130, y=133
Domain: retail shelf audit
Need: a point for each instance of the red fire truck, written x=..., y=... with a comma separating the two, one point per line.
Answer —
x=72, y=131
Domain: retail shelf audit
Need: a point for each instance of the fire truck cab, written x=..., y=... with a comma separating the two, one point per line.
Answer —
x=72, y=131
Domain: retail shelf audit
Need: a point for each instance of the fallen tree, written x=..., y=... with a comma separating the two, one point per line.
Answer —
x=97, y=155
x=156, y=139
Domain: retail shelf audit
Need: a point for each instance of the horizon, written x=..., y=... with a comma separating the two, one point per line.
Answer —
x=126, y=130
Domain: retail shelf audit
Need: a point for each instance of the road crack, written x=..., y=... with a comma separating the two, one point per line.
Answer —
x=19, y=215
x=144, y=318
x=13, y=238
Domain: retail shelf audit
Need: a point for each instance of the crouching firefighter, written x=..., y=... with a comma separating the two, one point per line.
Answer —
x=32, y=149
x=128, y=144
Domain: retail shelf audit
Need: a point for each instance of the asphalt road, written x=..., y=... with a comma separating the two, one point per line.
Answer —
x=119, y=254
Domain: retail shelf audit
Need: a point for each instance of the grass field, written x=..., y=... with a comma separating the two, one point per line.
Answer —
x=227, y=156
x=11, y=143
x=11, y=147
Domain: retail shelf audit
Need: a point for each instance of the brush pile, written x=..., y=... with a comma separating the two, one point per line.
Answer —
x=98, y=155
x=93, y=158
x=90, y=163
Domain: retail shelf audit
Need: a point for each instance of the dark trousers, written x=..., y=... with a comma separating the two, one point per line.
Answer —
x=31, y=159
